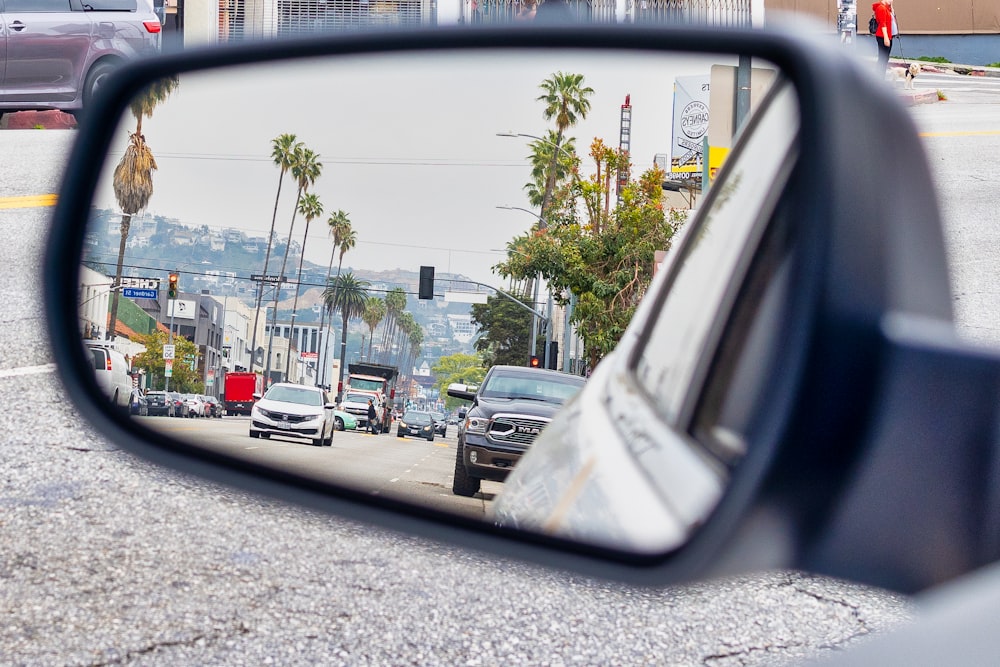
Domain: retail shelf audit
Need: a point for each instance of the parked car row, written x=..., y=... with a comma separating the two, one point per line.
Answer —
x=175, y=404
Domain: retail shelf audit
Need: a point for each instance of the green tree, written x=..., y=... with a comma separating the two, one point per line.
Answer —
x=505, y=328
x=311, y=208
x=607, y=267
x=344, y=238
x=566, y=102
x=183, y=378
x=133, y=177
x=346, y=295
x=457, y=368
x=395, y=303
x=305, y=169
x=283, y=150
x=374, y=313
x=542, y=154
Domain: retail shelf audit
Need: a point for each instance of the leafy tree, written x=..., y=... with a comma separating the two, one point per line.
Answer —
x=566, y=101
x=183, y=378
x=305, y=168
x=608, y=267
x=344, y=238
x=283, y=150
x=348, y=295
x=460, y=368
x=395, y=303
x=505, y=328
x=133, y=177
x=374, y=313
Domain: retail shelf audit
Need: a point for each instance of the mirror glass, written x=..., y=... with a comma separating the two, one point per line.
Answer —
x=291, y=262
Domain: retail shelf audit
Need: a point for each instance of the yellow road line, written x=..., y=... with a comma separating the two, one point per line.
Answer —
x=980, y=133
x=30, y=201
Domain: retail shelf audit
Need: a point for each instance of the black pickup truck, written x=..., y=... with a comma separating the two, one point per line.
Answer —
x=509, y=409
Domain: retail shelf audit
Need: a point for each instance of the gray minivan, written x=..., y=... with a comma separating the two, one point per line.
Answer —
x=54, y=54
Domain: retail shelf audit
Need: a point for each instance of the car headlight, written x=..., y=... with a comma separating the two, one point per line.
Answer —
x=476, y=425
x=259, y=412
x=427, y=428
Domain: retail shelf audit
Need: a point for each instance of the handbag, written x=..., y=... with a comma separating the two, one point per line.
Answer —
x=872, y=25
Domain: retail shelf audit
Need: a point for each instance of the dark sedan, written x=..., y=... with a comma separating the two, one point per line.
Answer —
x=159, y=403
x=419, y=424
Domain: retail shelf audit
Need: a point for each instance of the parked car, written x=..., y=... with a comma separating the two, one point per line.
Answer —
x=344, y=420
x=159, y=403
x=509, y=409
x=137, y=404
x=416, y=423
x=58, y=53
x=213, y=406
x=181, y=407
x=196, y=405
x=112, y=372
x=294, y=410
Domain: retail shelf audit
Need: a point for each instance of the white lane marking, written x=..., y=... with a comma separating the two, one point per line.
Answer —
x=27, y=370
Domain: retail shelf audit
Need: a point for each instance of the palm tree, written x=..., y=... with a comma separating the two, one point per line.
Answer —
x=283, y=150
x=395, y=303
x=344, y=238
x=348, y=295
x=133, y=178
x=374, y=313
x=566, y=101
x=305, y=168
x=541, y=158
x=310, y=208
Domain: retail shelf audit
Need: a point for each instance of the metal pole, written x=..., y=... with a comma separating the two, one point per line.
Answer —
x=533, y=345
x=548, y=330
x=567, y=333
x=170, y=338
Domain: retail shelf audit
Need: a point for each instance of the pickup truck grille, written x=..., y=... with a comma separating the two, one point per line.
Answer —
x=515, y=429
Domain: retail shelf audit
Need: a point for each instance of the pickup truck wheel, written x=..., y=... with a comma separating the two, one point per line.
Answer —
x=462, y=484
x=254, y=434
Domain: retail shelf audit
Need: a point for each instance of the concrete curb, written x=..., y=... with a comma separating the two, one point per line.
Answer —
x=37, y=120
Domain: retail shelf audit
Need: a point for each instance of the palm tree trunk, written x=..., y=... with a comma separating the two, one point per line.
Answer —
x=321, y=357
x=260, y=287
x=295, y=302
x=277, y=291
x=113, y=320
x=343, y=356
x=550, y=181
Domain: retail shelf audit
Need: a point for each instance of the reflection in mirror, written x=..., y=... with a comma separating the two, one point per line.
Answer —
x=290, y=263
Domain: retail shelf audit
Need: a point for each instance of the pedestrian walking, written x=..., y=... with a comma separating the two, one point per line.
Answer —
x=372, y=414
x=885, y=33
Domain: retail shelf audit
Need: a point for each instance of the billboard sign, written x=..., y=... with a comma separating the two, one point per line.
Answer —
x=690, y=126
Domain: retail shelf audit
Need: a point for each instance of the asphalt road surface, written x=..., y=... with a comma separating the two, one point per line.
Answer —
x=105, y=559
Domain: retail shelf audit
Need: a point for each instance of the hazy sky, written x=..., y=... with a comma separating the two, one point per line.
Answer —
x=408, y=144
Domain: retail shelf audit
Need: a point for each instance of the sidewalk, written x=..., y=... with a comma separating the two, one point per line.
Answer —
x=930, y=95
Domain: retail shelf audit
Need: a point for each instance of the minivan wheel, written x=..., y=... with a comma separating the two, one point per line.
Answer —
x=96, y=77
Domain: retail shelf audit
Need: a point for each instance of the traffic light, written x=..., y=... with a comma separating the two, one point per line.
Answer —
x=172, y=286
x=426, y=290
x=534, y=361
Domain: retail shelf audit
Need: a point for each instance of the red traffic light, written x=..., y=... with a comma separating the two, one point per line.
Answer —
x=172, y=285
x=534, y=362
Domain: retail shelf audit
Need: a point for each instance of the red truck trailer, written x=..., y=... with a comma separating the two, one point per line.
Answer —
x=238, y=391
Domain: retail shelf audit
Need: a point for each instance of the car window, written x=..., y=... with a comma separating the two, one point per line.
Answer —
x=545, y=389
x=111, y=5
x=417, y=417
x=38, y=6
x=100, y=359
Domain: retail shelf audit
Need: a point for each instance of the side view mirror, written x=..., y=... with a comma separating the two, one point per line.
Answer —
x=793, y=346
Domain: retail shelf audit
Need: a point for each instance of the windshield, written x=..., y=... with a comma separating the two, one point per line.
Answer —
x=303, y=396
x=417, y=418
x=551, y=388
x=357, y=398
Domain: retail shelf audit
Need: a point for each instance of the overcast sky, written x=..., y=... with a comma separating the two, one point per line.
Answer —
x=408, y=144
